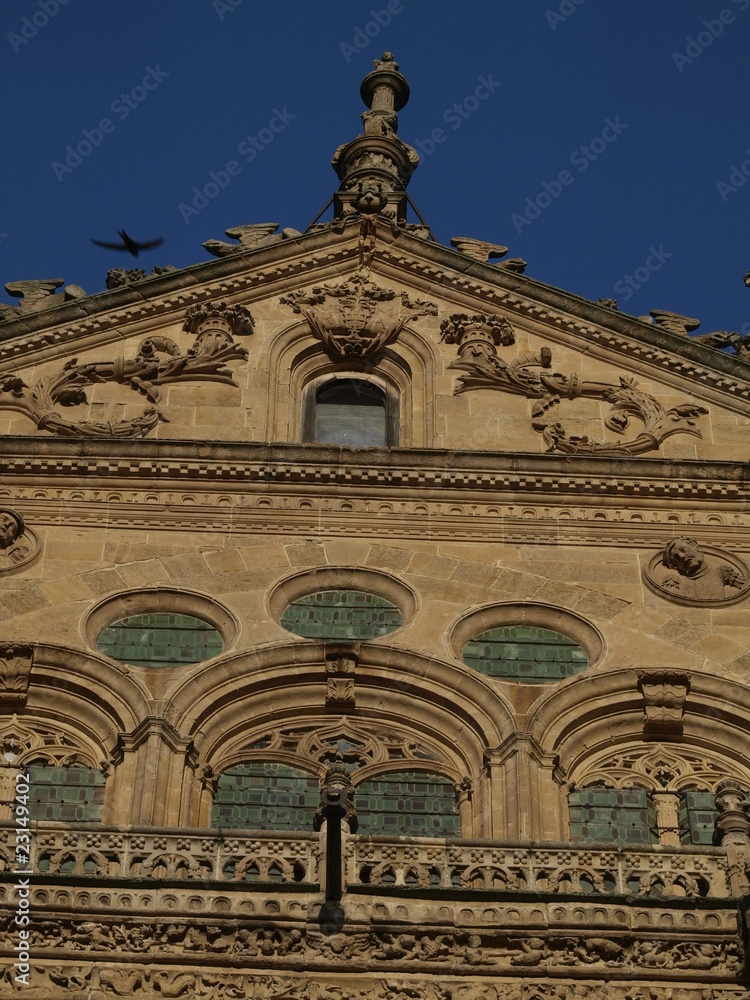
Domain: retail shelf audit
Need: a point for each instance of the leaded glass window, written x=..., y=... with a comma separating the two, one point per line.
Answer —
x=160, y=640
x=622, y=815
x=525, y=653
x=350, y=412
x=407, y=804
x=341, y=614
x=265, y=796
x=697, y=817
x=66, y=794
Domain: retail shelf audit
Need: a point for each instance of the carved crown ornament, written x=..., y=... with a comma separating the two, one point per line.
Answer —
x=530, y=375
x=159, y=361
x=684, y=572
x=358, y=319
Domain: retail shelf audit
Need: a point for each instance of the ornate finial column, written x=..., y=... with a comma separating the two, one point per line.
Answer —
x=375, y=168
x=732, y=831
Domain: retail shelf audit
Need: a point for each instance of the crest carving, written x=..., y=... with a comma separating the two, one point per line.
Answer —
x=18, y=544
x=531, y=375
x=357, y=320
x=159, y=361
x=685, y=572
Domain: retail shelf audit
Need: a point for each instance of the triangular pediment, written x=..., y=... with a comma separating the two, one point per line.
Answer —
x=503, y=362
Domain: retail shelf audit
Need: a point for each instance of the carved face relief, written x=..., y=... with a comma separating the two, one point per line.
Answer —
x=18, y=544
x=686, y=573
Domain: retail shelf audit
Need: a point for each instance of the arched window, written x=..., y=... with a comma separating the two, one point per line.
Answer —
x=356, y=412
x=67, y=794
x=341, y=614
x=525, y=653
x=160, y=640
x=407, y=804
x=265, y=796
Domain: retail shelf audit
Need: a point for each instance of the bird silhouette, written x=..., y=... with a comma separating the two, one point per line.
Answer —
x=128, y=244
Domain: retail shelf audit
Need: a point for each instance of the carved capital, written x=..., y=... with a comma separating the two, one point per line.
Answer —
x=15, y=671
x=664, y=693
x=341, y=665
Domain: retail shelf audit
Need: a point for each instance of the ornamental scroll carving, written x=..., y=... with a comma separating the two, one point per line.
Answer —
x=159, y=361
x=531, y=375
x=698, y=576
x=357, y=320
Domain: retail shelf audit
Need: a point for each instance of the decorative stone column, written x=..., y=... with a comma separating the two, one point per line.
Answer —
x=667, y=809
x=732, y=831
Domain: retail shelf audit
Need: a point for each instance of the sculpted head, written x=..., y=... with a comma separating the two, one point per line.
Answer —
x=11, y=528
x=683, y=554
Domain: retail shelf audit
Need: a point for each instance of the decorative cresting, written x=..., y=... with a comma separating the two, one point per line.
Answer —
x=375, y=168
x=159, y=361
x=523, y=377
x=18, y=543
x=685, y=572
x=344, y=742
x=357, y=320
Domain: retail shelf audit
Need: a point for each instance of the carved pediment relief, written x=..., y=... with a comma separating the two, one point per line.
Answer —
x=531, y=375
x=358, y=319
x=159, y=361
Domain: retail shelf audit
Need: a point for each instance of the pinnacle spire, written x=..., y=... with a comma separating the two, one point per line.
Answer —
x=375, y=168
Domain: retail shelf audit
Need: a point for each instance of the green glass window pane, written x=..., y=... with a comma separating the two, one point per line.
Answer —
x=697, y=817
x=160, y=640
x=524, y=652
x=66, y=794
x=341, y=614
x=408, y=803
x=623, y=816
x=265, y=796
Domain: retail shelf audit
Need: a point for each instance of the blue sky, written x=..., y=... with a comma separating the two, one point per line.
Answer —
x=606, y=146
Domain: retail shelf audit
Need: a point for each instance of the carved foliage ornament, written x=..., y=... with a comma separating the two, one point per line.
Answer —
x=21, y=743
x=699, y=576
x=530, y=375
x=159, y=361
x=661, y=769
x=18, y=544
x=358, y=319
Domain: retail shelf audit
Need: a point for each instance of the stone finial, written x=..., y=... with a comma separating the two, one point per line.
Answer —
x=674, y=322
x=252, y=236
x=375, y=168
x=607, y=303
x=664, y=694
x=337, y=794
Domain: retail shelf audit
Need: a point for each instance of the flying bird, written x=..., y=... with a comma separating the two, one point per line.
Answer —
x=130, y=245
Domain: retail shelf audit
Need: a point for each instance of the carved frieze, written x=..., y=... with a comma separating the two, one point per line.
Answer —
x=18, y=544
x=357, y=320
x=685, y=572
x=159, y=361
x=530, y=375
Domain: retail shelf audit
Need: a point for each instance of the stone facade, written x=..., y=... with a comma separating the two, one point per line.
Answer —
x=525, y=602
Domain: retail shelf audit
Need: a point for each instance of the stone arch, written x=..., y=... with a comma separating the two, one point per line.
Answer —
x=454, y=718
x=297, y=359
